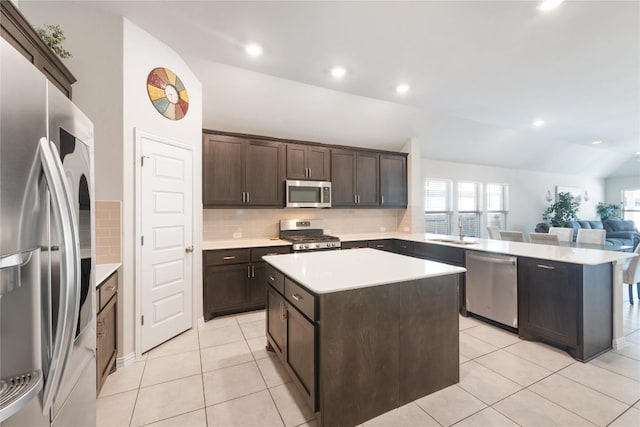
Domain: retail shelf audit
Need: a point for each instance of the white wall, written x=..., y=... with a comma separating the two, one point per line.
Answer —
x=141, y=54
x=527, y=190
x=614, y=187
x=97, y=65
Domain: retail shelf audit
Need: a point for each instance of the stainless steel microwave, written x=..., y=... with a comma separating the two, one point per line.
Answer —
x=308, y=194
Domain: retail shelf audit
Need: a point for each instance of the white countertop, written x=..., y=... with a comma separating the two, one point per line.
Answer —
x=530, y=250
x=208, y=245
x=334, y=271
x=103, y=271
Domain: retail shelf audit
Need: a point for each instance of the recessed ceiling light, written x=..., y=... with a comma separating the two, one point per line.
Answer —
x=538, y=123
x=596, y=142
x=637, y=153
x=253, y=49
x=548, y=5
x=402, y=88
x=338, y=72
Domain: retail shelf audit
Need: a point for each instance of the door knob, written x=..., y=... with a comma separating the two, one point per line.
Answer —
x=188, y=249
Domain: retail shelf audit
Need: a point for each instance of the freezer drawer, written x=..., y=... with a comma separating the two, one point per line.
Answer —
x=492, y=287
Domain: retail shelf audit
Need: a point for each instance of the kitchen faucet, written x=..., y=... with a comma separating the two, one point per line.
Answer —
x=461, y=235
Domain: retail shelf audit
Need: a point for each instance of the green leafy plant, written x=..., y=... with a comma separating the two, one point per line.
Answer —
x=558, y=214
x=608, y=211
x=53, y=36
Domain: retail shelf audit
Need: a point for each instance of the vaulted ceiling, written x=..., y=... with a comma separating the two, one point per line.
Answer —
x=496, y=65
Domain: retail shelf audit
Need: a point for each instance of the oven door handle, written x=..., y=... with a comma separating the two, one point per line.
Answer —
x=64, y=218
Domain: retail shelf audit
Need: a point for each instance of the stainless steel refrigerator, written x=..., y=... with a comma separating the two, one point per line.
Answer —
x=47, y=262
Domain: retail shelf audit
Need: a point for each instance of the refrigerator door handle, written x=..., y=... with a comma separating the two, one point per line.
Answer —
x=64, y=216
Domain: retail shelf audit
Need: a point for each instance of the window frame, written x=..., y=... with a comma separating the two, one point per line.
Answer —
x=447, y=212
x=504, y=212
x=475, y=214
x=635, y=213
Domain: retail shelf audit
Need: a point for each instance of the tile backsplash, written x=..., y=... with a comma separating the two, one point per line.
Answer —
x=108, y=231
x=251, y=223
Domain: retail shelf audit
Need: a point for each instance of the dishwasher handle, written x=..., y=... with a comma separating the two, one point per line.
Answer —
x=502, y=260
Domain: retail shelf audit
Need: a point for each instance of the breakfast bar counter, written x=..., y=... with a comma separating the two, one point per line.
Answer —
x=362, y=332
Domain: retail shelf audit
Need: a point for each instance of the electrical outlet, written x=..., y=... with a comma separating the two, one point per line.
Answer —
x=327, y=231
x=237, y=235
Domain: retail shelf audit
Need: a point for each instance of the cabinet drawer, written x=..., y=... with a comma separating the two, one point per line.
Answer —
x=354, y=245
x=107, y=289
x=383, y=245
x=258, y=253
x=301, y=299
x=228, y=256
x=403, y=247
x=275, y=278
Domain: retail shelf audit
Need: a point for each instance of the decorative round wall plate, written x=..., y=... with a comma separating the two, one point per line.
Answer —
x=167, y=93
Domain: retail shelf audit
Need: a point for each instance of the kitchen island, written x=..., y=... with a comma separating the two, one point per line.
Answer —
x=362, y=332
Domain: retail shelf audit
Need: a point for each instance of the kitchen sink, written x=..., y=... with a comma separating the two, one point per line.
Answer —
x=454, y=242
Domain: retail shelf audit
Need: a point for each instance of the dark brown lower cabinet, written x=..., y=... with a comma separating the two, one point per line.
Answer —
x=106, y=329
x=566, y=305
x=234, y=280
x=293, y=337
x=358, y=353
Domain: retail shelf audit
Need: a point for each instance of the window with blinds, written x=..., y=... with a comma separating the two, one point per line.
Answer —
x=469, y=208
x=437, y=202
x=497, y=207
x=631, y=205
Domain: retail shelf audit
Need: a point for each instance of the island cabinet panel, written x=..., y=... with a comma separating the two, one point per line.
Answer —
x=242, y=172
x=566, y=305
x=401, y=344
x=308, y=162
x=234, y=279
x=275, y=321
x=393, y=181
x=447, y=255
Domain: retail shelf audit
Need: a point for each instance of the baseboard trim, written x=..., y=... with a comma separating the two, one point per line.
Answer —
x=619, y=343
x=125, y=360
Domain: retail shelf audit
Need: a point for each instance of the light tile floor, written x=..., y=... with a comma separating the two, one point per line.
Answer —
x=221, y=375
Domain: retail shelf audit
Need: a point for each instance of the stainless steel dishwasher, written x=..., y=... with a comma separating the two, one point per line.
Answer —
x=492, y=287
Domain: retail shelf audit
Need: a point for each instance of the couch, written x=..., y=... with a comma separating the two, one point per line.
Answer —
x=623, y=230
x=618, y=232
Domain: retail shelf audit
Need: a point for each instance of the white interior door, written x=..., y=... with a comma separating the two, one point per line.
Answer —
x=166, y=191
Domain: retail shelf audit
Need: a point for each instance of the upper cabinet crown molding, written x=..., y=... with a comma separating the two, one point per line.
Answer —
x=20, y=34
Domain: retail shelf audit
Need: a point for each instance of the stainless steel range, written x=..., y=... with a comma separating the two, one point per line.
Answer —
x=307, y=235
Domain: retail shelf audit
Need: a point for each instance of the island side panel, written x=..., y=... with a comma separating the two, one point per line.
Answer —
x=429, y=336
x=358, y=354
x=385, y=346
x=596, y=323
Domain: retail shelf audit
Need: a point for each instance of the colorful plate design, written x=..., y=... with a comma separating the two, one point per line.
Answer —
x=167, y=93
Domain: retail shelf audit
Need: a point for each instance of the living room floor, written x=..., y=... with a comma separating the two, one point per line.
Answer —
x=221, y=375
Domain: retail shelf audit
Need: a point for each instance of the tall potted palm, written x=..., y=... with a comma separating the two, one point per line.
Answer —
x=558, y=214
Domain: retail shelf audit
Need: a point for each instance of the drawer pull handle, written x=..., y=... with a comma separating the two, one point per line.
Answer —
x=111, y=288
x=227, y=258
x=547, y=267
x=272, y=253
x=273, y=279
x=379, y=246
x=297, y=297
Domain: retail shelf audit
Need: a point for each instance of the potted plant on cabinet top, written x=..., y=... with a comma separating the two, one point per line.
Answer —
x=558, y=214
x=608, y=211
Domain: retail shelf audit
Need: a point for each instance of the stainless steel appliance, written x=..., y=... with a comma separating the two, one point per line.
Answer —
x=308, y=194
x=47, y=289
x=307, y=235
x=492, y=287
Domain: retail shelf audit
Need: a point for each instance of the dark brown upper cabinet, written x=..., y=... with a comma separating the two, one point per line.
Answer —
x=242, y=172
x=21, y=35
x=393, y=181
x=354, y=178
x=308, y=162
